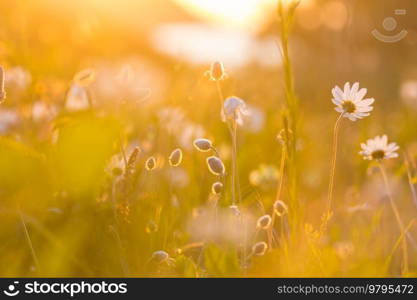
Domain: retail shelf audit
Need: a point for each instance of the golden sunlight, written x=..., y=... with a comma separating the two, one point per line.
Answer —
x=234, y=13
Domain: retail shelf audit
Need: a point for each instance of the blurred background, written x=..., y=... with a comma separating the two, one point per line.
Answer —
x=143, y=84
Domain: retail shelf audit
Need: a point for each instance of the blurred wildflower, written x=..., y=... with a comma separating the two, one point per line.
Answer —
x=254, y=120
x=216, y=71
x=175, y=157
x=150, y=163
x=17, y=79
x=264, y=222
x=85, y=77
x=43, y=111
x=215, y=165
x=160, y=256
x=77, y=98
x=8, y=119
x=350, y=101
x=259, y=249
x=378, y=149
x=265, y=176
x=408, y=93
x=235, y=210
x=234, y=109
x=203, y=145
x=217, y=188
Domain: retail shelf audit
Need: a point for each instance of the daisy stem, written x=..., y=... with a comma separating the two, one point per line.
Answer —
x=397, y=217
x=333, y=163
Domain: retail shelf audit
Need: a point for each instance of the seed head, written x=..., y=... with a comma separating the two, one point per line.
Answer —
x=216, y=71
x=150, y=163
x=160, y=256
x=2, y=79
x=175, y=158
x=215, y=165
x=217, y=188
x=280, y=208
x=259, y=249
x=264, y=222
x=203, y=145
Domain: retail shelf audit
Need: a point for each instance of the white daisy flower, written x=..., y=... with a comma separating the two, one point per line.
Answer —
x=378, y=149
x=351, y=101
x=234, y=109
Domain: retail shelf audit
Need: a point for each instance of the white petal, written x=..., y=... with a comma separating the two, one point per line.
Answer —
x=346, y=90
x=365, y=109
x=354, y=90
x=360, y=94
x=365, y=102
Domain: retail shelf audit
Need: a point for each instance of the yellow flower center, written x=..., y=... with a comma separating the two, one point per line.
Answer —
x=348, y=106
x=378, y=154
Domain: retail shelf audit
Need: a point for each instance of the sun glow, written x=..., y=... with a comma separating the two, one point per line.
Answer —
x=234, y=13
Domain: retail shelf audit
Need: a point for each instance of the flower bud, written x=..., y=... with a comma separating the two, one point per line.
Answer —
x=280, y=208
x=175, y=158
x=259, y=249
x=217, y=71
x=203, y=145
x=150, y=163
x=215, y=165
x=217, y=188
x=264, y=222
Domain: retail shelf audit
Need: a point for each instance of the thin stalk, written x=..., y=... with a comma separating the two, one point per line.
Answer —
x=29, y=241
x=281, y=174
x=333, y=163
x=397, y=217
x=233, y=130
x=410, y=180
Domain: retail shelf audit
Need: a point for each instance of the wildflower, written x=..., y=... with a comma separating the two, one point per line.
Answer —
x=85, y=77
x=215, y=165
x=203, y=145
x=2, y=79
x=160, y=256
x=217, y=71
x=150, y=163
x=378, y=149
x=234, y=109
x=175, y=157
x=264, y=222
x=280, y=208
x=77, y=98
x=235, y=210
x=351, y=103
x=259, y=249
x=217, y=188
